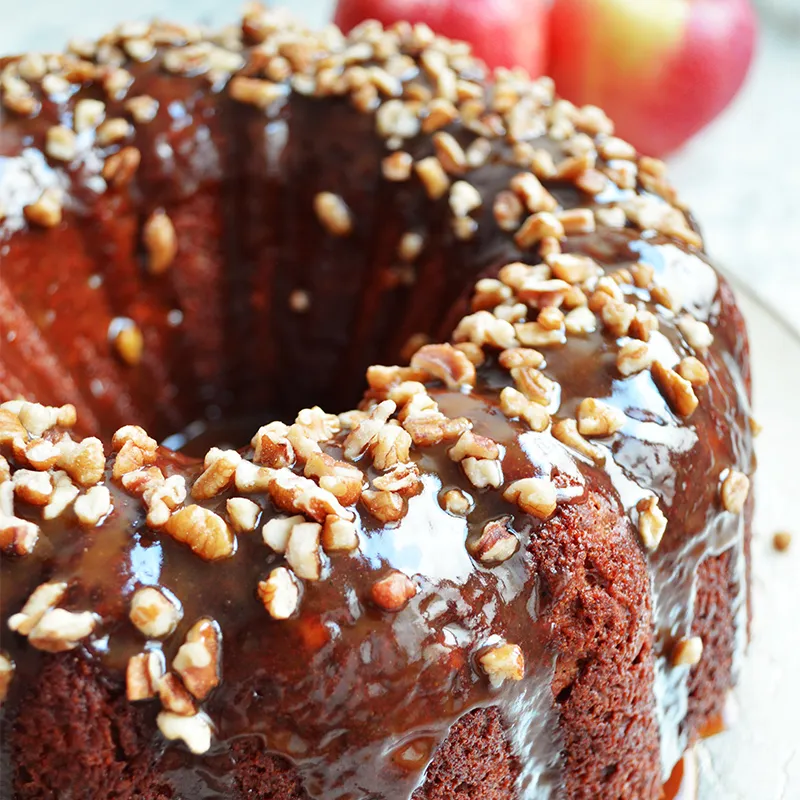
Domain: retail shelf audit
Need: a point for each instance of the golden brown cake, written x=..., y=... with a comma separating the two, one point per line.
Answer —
x=517, y=569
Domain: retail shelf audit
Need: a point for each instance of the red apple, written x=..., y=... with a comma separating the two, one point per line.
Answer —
x=504, y=33
x=661, y=69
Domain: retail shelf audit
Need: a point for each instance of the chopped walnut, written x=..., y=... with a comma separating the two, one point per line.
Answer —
x=254, y=92
x=693, y=370
x=58, y=630
x=403, y=479
x=280, y=593
x=206, y=533
x=161, y=497
x=194, y=731
x=482, y=328
x=391, y=447
x=536, y=496
x=652, y=522
x=61, y=143
x=393, y=591
x=333, y=213
x=10, y=427
x=618, y=316
x=534, y=385
x=276, y=531
x=365, y=433
x=385, y=506
x=143, y=675
x=514, y=404
x=596, y=418
x=83, y=461
x=456, y=502
x=64, y=493
x=342, y=480
x=302, y=550
x=530, y=189
x=470, y=444
x=160, y=241
x=94, y=506
x=633, y=356
x=537, y=227
x=496, y=543
x=243, y=514
x=220, y=468
x=566, y=431
x=677, y=391
x=734, y=491
x=299, y=494
x=17, y=536
x=572, y=268
x=175, y=697
x=697, y=334
x=508, y=211
x=643, y=324
x=42, y=599
x=444, y=362
x=33, y=487
x=687, y=652
x=46, y=212
x=483, y=472
x=154, y=612
x=198, y=658
x=503, y=662
x=339, y=535
x=136, y=450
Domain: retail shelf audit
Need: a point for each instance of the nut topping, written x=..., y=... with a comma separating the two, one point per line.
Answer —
x=566, y=431
x=220, y=468
x=677, y=391
x=206, y=533
x=198, y=658
x=470, y=444
x=384, y=506
x=734, y=491
x=194, y=731
x=243, y=514
x=6, y=674
x=155, y=613
x=687, y=652
x=302, y=550
x=503, y=662
x=143, y=675
x=483, y=472
x=652, y=522
x=92, y=507
x=276, y=531
x=445, y=363
x=333, y=213
x=514, y=404
x=497, y=542
x=596, y=418
x=339, y=535
x=366, y=432
x=393, y=591
x=633, y=356
x=280, y=593
x=160, y=242
x=59, y=630
x=536, y=496
x=42, y=599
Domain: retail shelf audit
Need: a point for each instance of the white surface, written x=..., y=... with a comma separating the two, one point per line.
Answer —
x=742, y=179
x=759, y=757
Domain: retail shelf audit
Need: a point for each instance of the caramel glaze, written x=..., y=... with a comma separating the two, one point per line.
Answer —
x=356, y=698
x=344, y=690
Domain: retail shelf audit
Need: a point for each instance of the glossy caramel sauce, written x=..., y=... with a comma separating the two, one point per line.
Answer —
x=356, y=698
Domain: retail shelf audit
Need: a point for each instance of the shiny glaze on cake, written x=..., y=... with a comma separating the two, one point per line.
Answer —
x=359, y=699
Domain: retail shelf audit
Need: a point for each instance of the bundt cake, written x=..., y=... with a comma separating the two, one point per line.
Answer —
x=517, y=569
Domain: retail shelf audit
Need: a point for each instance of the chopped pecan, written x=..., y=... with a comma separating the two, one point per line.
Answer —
x=483, y=472
x=93, y=506
x=58, y=629
x=198, y=658
x=299, y=494
x=302, y=550
x=280, y=593
x=596, y=418
x=154, y=612
x=206, y=533
x=143, y=675
x=536, y=496
x=220, y=468
x=341, y=479
x=403, y=479
x=677, y=391
x=652, y=522
x=339, y=534
x=194, y=731
x=384, y=506
x=734, y=491
x=445, y=363
x=243, y=514
x=503, y=662
x=365, y=433
x=393, y=591
x=470, y=444
x=496, y=543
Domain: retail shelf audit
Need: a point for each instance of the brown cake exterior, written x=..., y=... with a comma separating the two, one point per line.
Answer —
x=518, y=570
